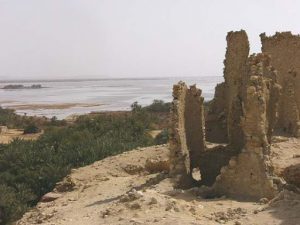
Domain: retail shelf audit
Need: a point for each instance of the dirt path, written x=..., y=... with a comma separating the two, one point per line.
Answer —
x=125, y=189
x=11, y=134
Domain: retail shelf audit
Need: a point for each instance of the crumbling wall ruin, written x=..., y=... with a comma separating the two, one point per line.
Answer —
x=250, y=174
x=187, y=139
x=285, y=51
x=216, y=117
x=187, y=135
x=234, y=71
x=244, y=113
x=226, y=108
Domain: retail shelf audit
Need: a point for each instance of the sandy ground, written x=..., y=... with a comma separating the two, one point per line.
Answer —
x=11, y=134
x=285, y=152
x=154, y=133
x=124, y=189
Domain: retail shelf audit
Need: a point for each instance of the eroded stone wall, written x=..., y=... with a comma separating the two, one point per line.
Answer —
x=235, y=69
x=284, y=49
x=179, y=156
x=259, y=65
x=250, y=175
x=187, y=142
x=216, y=117
x=194, y=125
x=223, y=119
x=187, y=139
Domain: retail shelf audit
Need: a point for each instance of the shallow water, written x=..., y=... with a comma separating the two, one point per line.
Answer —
x=108, y=94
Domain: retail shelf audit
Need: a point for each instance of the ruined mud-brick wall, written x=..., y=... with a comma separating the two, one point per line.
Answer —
x=215, y=117
x=227, y=102
x=250, y=174
x=235, y=69
x=187, y=139
x=284, y=49
x=188, y=151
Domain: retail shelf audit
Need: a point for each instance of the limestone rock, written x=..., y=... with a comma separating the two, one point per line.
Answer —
x=133, y=169
x=49, y=197
x=131, y=196
x=66, y=185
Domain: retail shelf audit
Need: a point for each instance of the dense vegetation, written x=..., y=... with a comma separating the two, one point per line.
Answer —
x=158, y=106
x=29, y=169
x=11, y=120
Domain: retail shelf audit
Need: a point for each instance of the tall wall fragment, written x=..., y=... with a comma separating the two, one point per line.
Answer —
x=249, y=175
x=223, y=119
x=284, y=49
x=187, y=139
x=235, y=69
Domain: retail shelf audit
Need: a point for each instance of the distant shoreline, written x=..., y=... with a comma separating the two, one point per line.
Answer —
x=100, y=79
x=21, y=87
x=51, y=106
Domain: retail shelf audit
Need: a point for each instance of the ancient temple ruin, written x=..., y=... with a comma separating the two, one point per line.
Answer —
x=259, y=96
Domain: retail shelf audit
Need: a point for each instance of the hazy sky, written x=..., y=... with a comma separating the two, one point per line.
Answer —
x=130, y=38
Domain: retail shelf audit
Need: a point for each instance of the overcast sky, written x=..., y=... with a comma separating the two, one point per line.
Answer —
x=46, y=39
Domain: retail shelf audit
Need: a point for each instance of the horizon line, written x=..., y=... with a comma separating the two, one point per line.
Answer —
x=104, y=78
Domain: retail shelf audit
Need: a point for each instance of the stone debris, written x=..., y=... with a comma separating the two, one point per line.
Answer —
x=133, y=169
x=175, y=192
x=296, y=156
x=131, y=196
x=292, y=175
x=158, y=164
x=108, y=212
x=285, y=195
x=134, y=205
x=172, y=205
x=263, y=200
x=230, y=214
x=153, y=201
x=66, y=185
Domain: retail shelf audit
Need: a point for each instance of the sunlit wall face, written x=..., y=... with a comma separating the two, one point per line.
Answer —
x=130, y=38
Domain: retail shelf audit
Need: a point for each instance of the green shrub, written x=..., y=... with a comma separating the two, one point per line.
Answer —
x=31, y=129
x=162, y=137
x=159, y=106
